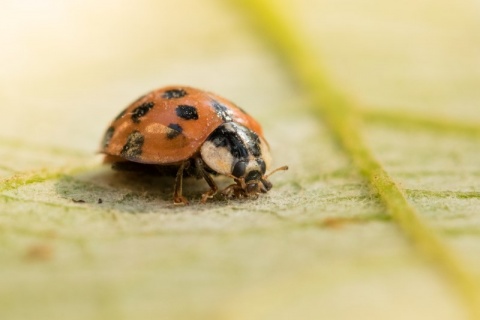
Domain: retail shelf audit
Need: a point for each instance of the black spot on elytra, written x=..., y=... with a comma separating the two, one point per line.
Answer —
x=133, y=146
x=222, y=111
x=175, y=131
x=187, y=112
x=174, y=94
x=141, y=111
x=108, y=136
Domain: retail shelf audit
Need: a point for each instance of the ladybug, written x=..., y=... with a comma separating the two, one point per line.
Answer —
x=181, y=131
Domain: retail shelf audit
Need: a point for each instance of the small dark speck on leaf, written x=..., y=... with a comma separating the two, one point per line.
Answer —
x=78, y=200
x=100, y=200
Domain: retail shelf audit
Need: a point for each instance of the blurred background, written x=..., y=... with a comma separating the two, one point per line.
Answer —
x=320, y=245
x=66, y=61
x=415, y=56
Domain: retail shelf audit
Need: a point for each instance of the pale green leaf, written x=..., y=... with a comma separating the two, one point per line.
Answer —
x=373, y=105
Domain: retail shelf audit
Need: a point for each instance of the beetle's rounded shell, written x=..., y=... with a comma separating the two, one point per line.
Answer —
x=169, y=125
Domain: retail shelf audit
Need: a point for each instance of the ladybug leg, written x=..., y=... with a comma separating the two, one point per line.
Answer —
x=213, y=186
x=232, y=191
x=177, y=194
x=236, y=190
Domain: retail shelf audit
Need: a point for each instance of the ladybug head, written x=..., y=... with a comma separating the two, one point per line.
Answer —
x=238, y=152
x=249, y=173
x=234, y=150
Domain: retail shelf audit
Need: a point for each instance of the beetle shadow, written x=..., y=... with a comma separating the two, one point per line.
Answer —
x=131, y=192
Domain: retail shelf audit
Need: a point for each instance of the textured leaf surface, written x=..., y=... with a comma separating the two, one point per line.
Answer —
x=374, y=106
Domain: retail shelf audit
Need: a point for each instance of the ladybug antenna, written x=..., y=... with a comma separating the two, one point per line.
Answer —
x=284, y=168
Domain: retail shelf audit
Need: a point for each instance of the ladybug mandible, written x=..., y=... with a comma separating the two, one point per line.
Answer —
x=187, y=131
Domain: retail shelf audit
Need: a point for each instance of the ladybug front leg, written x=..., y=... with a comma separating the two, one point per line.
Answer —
x=213, y=186
x=177, y=194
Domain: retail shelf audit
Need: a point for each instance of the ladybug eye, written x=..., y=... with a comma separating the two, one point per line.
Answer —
x=262, y=165
x=239, y=169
